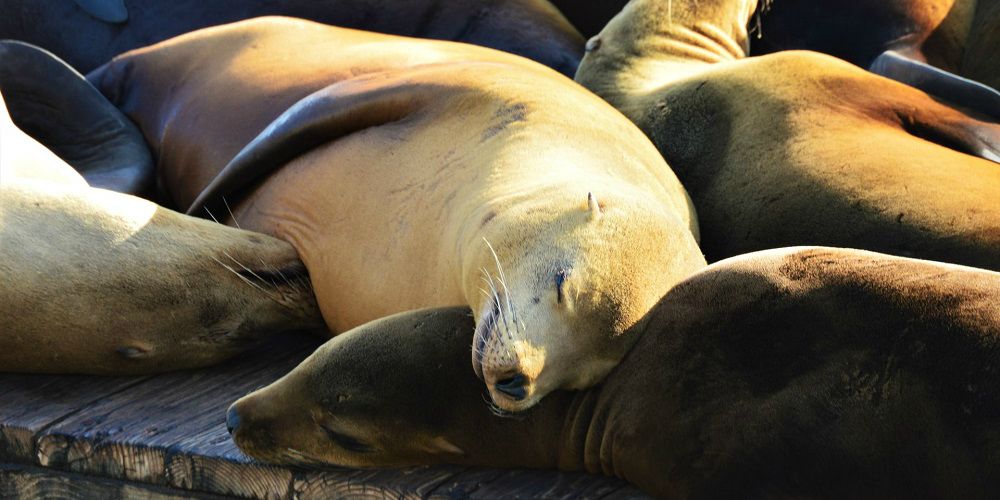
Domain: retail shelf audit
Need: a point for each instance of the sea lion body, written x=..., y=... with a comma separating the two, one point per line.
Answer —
x=532, y=28
x=846, y=158
x=106, y=283
x=411, y=174
x=790, y=373
x=958, y=36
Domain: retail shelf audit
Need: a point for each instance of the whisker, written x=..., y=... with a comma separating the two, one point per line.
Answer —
x=240, y=276
x=226, y=203
x=245, y=268
x=212, y=216
x=503, y=280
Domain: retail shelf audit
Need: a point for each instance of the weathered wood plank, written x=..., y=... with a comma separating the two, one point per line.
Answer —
x=414, y=482
x=21, y=481
x=170, y=429
x=550, y=484
x=30, y=403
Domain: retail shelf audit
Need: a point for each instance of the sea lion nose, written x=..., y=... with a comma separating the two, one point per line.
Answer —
x=513, y=386
x=232, y=419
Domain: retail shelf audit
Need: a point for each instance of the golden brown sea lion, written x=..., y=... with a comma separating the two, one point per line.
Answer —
x=95, y=281
x=793, y=373
x=411, y=173
x=798, y=148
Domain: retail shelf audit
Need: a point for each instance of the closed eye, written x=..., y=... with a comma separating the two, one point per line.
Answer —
x=346, y=442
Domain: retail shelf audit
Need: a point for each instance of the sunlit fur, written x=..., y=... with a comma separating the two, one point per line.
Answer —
x=798, y=147
x=107, y=283
x=445, y=151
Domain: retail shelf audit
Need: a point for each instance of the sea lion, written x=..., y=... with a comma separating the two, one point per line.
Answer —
x=791, y=373
x=88, y=33
x=54, y=104
x=798, y=148
x=958, y=36
x=100, y=282
x=413, y=173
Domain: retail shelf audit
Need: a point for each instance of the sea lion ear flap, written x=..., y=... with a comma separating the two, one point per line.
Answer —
x=324, y=116
x=594, y=206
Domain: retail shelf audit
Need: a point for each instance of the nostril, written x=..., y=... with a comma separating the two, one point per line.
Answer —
x=512, y=386
x=232, y=419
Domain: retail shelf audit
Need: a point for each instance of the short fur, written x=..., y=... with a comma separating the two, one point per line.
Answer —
x=798, y=148
x=413, y=173
x=793, y=373
x=105, y=283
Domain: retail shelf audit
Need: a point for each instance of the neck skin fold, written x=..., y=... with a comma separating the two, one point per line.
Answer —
x=652, y=43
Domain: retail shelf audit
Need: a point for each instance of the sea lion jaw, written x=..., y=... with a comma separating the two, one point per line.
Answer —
x=560, y=314
x=368, y=397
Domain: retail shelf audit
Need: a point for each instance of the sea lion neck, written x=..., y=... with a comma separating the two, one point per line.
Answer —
x=654, y=42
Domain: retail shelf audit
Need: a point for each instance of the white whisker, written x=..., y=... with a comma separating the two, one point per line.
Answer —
x=226, y=203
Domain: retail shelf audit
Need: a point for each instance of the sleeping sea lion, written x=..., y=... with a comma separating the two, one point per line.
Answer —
x=100, y=282
x=798, y=148
x=792, y=373
x=412, y=173
x=88, y=33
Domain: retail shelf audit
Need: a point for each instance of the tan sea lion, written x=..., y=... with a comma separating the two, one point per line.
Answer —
x=411, y=173
x=100, y=282
x=792, y=373
x=798, y=148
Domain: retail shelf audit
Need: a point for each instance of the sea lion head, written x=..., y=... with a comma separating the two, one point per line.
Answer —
x=640, y=48
x=372, y=397
x=563, y=287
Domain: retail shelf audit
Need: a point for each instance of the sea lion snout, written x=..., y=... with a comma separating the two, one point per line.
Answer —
x=232, y=419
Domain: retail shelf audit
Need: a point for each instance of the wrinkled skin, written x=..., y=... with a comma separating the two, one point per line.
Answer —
x=530, y=28
x=791, y=373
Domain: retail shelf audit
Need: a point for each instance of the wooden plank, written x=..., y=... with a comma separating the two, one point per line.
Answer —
x=523, y=483
x=413, y=482
x=30, y=403
x=170, y=429
x=21, y=481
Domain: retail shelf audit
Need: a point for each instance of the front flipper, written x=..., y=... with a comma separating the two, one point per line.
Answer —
x=322, y=117
x=939, y=83
x=55, y=105
x=109, y=11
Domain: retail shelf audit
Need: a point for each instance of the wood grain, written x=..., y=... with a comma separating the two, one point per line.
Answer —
x=21, y=481
x=165, y=435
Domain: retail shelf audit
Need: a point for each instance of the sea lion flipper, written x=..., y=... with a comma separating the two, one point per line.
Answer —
x=54, y=104
x=939, y=83
x=322, y=117
x=109, y=11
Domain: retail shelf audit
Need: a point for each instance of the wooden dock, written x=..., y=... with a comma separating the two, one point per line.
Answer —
x=164, y=436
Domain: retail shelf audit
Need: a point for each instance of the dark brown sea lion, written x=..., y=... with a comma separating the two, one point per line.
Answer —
x=589, y=16
x=793, y=373
x=414, y=173
x=56, y=106
x=93, y=281
x=958, y=36
x=88, y=33
x=798, y=148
